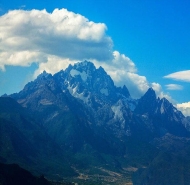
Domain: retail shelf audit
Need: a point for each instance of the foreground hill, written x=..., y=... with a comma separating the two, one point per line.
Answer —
x=25, y=142
x=12, y=174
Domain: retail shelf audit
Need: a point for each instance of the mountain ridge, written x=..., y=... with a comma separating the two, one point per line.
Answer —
x=96, y=125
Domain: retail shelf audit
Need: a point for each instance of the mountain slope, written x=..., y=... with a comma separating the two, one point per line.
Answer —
x=161, y=115
x=24, y=141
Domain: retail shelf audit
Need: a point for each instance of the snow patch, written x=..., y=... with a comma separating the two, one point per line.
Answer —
x=130, y=103
x=132, y=106
x=54, y=115
x=83, y=75
x=45, y=102
x=118, y=115
x=104, y=91
x=145, y=116
x=162, y=108
x=73, y=92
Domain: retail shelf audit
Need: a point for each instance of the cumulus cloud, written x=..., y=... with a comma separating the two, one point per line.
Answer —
x=184, y=108
x=20, y=58
x=28, y=36
x=174, y=87
x=180, y=76
x=50, y=66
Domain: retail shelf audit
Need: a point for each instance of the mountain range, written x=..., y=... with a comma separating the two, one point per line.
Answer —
x=77, y=126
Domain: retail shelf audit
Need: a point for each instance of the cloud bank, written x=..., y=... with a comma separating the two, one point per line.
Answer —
x=54, y=40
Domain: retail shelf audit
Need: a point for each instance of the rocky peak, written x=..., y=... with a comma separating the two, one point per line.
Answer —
x=147, y=103
x=125, y=92
x=167, y=109
x=85, y=65
x=43, y=75
x=82, y=79
x=81, y=69
x=150, y=94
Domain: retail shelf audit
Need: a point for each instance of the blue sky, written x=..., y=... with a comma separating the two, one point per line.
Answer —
x=153, y=34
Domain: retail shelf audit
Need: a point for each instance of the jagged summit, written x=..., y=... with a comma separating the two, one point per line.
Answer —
x=85, y=64
x=151, y=94
x=125, y=91
x=83, y=77
x=79, y=67
x=84, y=81
x=44, y=74
x=147, y=102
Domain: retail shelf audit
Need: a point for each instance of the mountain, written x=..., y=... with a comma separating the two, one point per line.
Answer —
x=87, y=128
x=77, y=95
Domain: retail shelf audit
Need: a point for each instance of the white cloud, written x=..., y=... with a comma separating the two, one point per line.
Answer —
x=50, y=66
x=180, y=76
x=174, y=87
x=123, y=62
x=184, y=108
x=28, y=36
x=20, y=58
x=157, y=87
